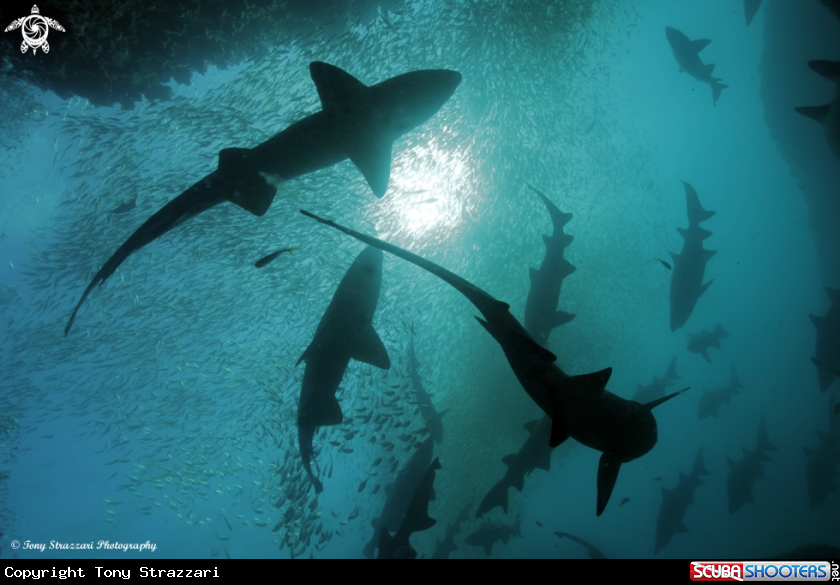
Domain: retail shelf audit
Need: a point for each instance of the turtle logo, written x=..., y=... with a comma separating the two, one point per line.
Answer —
x=35, y=29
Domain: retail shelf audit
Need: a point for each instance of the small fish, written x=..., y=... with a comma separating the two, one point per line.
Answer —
x=125, y=207
x=665, y=264
x=624, y=501
x=268, y=259
x=432, y=200
x=539, y=524
x=375, y=490
x=377, y=462
x=657, y=479
x=362, y=486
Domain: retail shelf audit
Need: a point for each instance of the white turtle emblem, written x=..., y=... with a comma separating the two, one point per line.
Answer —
x=35, y=29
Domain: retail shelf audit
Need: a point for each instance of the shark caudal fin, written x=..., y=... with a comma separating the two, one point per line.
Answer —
x=671, y=373
x=245, y=187
x=341, y=92
x=586, y=384
x=734, y=381
x=699, y=468
x=717, y=88
x=558, y=218
x=696, y=213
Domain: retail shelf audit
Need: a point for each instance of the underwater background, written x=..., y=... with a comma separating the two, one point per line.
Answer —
x=168, y=414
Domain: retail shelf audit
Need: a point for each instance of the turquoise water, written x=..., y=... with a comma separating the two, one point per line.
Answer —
x=168, y=413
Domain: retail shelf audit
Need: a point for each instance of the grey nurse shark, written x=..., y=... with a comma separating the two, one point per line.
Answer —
x=344, y=332
x=687, y=54
x=675, y=503
x=580, y=406
x=690, y=264
x=356, y=121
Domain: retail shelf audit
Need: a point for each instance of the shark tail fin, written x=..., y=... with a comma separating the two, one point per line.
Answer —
x=558, y=218
x=696, y=213
x=657, y=402
x=699, y=468
x=671, y=373
x=717, y=88
x=496, y=497
x=247, y=189
x=818, y=113
x=828, y=69
x=763, y=443
x=734, y=381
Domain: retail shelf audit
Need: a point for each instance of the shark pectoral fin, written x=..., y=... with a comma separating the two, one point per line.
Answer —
x=488, y=548
x=560, y=318
x=559, y=428
x=247, y=189
x=370, y=350
x=710, y=69
x=818, y=113
x=336, y=87
x=699, y=45
x=705, y=355
x=302, y=356
x=705, y=287
x=373, y=159
x=708, y=254
x=608, y=469
x=683, y=232
x=674, y=258
x=681, y=528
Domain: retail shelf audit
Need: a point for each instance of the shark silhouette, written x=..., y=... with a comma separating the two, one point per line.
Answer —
x=747, y=471
x=356, y=122
x=701, y=342
x=345, y=332
x=823, y=461
x=690, y=264
x=675, y=503
x=432, y=418
x=827, y=359
x=711, y=400
x=687, y=53
x=580, y=407
x=443, y=548
x=489, y=533
x=829, y=114
x=750, y=9
x=541, y=314
x=591, y=550
x=656, y=389
x=399, y=495
x=416, y=519
x=535, y=453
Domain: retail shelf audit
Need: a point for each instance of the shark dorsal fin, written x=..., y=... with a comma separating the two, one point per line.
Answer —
x=368, y=348
x=828, y=69
x=336, y=87
x=818, y=113
x=655, y=403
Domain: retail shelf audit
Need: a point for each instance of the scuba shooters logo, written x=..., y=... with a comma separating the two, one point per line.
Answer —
x=763, y=571
x=35, y=29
